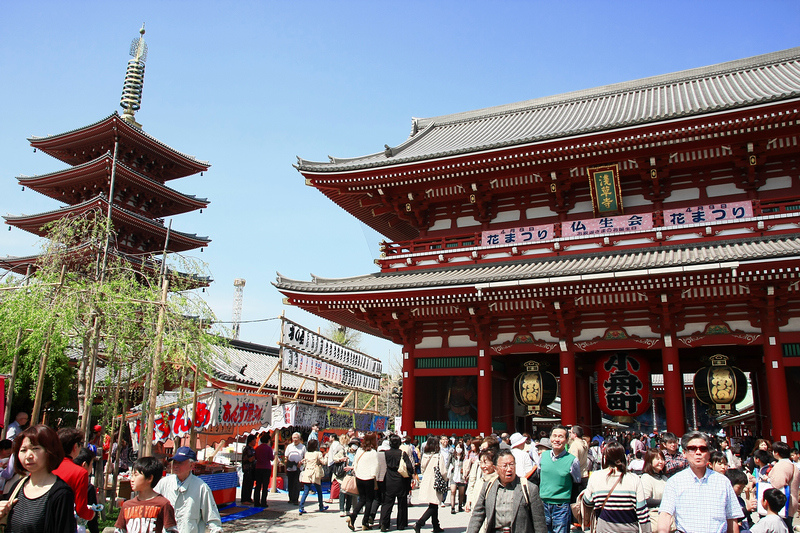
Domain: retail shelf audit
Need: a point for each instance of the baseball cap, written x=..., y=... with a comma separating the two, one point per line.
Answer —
x=183, y=453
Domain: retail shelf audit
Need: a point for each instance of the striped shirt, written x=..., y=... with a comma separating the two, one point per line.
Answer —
x=625, y=505
x=700, y=505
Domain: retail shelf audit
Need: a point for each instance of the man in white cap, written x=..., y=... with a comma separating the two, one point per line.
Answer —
x=524, y=464
x=195, y=509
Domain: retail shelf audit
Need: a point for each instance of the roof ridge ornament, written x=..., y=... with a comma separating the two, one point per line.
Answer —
x=134, y=80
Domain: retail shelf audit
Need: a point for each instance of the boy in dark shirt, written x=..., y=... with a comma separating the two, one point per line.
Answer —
x=738, y=481
x=148, y=512
x=85, y=459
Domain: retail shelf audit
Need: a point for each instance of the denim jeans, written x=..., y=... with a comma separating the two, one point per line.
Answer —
x=558, y=517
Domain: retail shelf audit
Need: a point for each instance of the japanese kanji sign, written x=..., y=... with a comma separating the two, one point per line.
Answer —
x=605, y=190
x=520, y=235
x=622, y=384
x=605, y=225
x=308, y=354
x=708, y=213
x=217, y=409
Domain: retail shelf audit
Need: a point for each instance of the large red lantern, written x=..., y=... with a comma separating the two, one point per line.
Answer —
x=535, y=389
x=720, y=386
x=622, y=385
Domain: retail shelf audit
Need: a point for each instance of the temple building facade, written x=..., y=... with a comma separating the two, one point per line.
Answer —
x=619, y=239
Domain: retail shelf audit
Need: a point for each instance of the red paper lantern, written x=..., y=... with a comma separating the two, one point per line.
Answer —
x=622, y=384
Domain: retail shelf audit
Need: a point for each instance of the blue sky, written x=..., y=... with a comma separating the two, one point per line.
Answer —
x=248, y=86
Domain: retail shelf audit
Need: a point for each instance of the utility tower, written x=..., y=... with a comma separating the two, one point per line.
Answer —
x=237, y=305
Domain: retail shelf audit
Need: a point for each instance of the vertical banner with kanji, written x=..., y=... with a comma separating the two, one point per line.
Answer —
x=605, y=190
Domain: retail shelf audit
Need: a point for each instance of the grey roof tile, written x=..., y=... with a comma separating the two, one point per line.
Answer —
x=610, y=263
x=744, y=82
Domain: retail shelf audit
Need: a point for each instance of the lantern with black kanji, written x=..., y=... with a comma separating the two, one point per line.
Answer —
x=622, y=385
x=535, y=389
x=720, y=386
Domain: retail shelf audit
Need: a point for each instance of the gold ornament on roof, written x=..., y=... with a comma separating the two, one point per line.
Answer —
x=131, y=99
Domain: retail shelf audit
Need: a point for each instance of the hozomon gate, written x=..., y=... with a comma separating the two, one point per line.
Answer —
x=657, y=218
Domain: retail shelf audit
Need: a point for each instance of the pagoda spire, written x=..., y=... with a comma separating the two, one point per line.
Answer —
x=134, y=80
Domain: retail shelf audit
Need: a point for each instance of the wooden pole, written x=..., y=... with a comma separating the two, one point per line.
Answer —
x=11, y=382
x=147, y=436
x=37, y=403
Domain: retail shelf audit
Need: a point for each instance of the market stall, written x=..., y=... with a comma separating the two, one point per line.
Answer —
x=219, y=417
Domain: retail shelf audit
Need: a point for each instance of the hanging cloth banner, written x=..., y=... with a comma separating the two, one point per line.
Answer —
x=605, y=190
x=217, y=409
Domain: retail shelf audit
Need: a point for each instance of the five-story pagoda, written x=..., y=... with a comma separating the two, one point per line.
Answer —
x=120, y=171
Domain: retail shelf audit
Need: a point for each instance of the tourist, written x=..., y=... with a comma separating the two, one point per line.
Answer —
x=396, y=484
x=312, y=475
x=16, y=427
x=248, y=468
x=345, y=499
x=458, y=484
x=697, y=498
x=559, y=471
x=774, y=501
x=263, y=471
x=497, y=505
x=744, y=495
x=195, y=509
x=294, y=453
x=674, y=461
x=365, y=468
x=618, y=495
x=431, y=461
x=486, y=461
x=85, y=459
x=76, y=477
x=314, y=435
x=785, y=478
x=335, y=457
x=148, y=511
x=718, y=462
x=43, y=501
x=653, y=481
x=578, y=448
x=525, y=465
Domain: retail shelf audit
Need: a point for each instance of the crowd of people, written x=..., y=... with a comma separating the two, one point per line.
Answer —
x=563, y=481
x=45, y=480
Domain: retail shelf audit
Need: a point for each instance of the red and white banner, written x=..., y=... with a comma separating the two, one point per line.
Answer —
x=708, y=213
x=606, y=225
x=220, y=408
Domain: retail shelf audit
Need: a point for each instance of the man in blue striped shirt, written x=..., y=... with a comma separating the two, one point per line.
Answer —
x=699, y=499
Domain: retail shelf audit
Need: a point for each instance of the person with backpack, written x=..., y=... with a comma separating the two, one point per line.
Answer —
x=509, y=502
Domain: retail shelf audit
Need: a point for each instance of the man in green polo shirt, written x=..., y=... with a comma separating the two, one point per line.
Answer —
x=559, y=470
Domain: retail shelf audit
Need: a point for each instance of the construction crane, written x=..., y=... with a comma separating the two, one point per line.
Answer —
x=238, y=283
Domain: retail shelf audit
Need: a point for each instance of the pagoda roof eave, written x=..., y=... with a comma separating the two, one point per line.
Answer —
x=735, y=253
x=725, y=86
x=110, y=127
x=49, y=184
x=20, y=265
x=179, y=241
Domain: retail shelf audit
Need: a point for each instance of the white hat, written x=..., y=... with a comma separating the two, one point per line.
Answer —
x=516, y=439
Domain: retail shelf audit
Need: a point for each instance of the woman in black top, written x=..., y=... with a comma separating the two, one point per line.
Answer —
x=45, y=502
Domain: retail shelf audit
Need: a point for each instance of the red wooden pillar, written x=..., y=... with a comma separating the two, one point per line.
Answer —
x=567, y=387
x=583, y=399
x=484, y=389
x=408, y=413
x=776, y=384
x=673, y=388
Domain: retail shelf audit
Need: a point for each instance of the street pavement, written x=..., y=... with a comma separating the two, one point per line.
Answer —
x=281, y=516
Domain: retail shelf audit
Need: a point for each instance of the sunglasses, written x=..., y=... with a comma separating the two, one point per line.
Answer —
x=695, y=449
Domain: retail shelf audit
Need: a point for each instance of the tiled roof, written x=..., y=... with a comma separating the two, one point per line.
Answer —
x=620, y=264
x=745, y=82
x=250, y=364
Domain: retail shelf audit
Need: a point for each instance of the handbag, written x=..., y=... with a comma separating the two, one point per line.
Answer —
x=439, y=482
x=403, y=468
x=11, y=498
x=337, y=469
x=349, y=485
